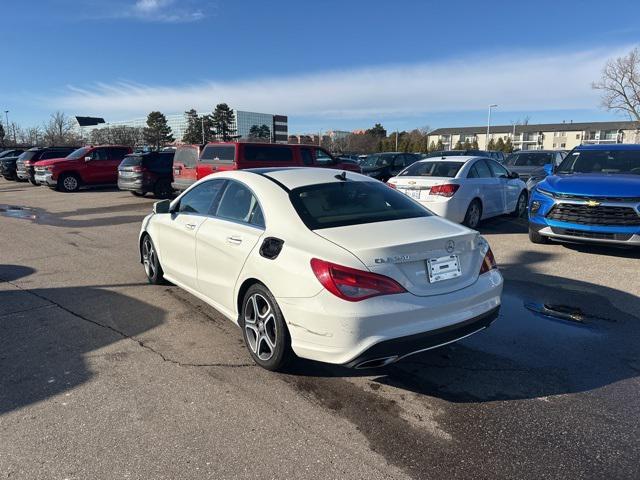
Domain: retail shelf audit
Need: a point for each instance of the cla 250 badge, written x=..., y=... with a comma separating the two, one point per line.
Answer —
x=395, y=259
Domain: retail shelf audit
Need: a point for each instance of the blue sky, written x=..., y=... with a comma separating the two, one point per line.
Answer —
x=327, y=64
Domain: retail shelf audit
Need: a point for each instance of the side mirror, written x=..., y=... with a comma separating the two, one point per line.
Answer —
x=87, y=159
x=548, y=169
x=163, y=206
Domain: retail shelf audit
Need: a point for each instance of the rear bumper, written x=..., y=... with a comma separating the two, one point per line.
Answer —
x=390, y=351
x=453, y=209
x=182, y=184
x=136, y=185
x=328, y=329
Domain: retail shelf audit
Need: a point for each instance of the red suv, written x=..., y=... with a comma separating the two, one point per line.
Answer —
x=193, y=162
x=86, y=166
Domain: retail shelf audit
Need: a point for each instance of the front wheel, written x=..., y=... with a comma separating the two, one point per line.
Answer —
x=473, y=215
x=521, y=205
x=152, y=267
x=68, y=182
x=264, y=330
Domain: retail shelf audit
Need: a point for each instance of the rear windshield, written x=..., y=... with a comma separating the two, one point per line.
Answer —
x=28, y=155
x=339, y=204
x=131, y=161
x=433, y=169
x=529, y=159
x=268, y=154
x=218, y=154
x=79, y=153
x=602, y=161
x=188, y=156
x=377, y=160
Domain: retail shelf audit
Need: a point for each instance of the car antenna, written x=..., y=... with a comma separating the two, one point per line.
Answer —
x=342, y=176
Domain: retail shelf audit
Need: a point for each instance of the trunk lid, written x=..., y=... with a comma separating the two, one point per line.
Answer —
x=418, y=187
x=400, y=249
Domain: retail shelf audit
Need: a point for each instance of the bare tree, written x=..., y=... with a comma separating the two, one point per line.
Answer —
x=59, y=130
x=620, y=85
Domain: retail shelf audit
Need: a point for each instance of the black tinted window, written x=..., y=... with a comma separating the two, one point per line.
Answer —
x=339, y=204
x=530, y=159
x=307, y=158
x=433, y=169
x=117, y=153
x=218, y=154
x=267, y=153
x=480, y=170
x=27, y=156
x=602, y=161
x=187, y=156
x=201, y=198
x=239, y=204
x=54, y=154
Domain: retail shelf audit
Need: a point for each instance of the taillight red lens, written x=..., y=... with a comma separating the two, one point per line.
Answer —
x=488, y=263
x=446, y=190
x=392, y=185
x=138, y=169
x=351, y=284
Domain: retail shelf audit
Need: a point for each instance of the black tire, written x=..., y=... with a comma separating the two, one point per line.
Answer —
x=521, y=205
x=535, y=237
x=152, y=268
x=68, y=182
x=162, y=189
x=138, y=194
x=473, y=215
x=264, y=330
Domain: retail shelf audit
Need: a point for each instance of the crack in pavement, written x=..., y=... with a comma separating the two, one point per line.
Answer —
x=129, y=337
x=31, y=309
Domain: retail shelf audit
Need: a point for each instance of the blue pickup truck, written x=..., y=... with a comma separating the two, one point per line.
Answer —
x=592, y=196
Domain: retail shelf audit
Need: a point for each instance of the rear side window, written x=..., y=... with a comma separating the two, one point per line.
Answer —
x=201, y=199
x=339, y=204
x=47, y=154
x=218, y=154
x=240, y=205
x=433, y=169
x=307, y=157
x=268, y=154
x=480, y=170
x=186, y=156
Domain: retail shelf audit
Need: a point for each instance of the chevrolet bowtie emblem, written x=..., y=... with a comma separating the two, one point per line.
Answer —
x=592, y=203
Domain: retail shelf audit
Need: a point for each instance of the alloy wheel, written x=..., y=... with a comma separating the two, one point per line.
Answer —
x=474, y=215
x=70, y=183
x=260, y=326
x=149, y=258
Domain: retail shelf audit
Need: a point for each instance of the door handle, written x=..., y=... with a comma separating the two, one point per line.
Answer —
x=190, y=226
x=234, y=240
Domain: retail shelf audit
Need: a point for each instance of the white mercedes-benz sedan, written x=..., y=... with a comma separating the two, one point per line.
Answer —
x=327, y=265
x=463, y=189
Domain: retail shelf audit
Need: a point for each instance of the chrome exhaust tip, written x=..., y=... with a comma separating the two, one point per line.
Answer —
x=376, y=362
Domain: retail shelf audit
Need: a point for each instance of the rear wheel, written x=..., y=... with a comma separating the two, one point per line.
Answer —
x=535, y=237
x=68, y=182
x=152, y=267
x=521, y=205
x=473, y=215
x=264, y=330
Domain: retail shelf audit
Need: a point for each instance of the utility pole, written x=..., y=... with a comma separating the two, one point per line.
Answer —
x=202, y=125
x=396, y=140
x=489, y=125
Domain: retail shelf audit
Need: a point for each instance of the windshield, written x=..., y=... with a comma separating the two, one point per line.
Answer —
x=79, y=153
x=529, y=159
x=339, y=204
x=432, y=169
x=602, y=161
x=376, y=161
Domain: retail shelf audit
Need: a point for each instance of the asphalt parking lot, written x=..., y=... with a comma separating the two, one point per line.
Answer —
x=105, y=376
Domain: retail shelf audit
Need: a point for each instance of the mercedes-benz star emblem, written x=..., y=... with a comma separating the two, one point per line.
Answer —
x=451, y=245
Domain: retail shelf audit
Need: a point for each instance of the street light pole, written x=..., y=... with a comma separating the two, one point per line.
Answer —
x=6, y=117
x=493, y=105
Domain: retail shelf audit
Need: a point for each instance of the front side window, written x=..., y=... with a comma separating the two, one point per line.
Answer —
x=201, y=199
x=338, y=204
x=323, y=158
x=79, y=153
x=240, y=205
x=99, y=154
x=498, y=170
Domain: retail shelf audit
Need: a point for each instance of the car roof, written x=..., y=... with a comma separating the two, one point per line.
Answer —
x=295, y=177
x=614, y=146
x=453, y=158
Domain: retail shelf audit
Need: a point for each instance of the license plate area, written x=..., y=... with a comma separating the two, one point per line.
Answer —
x=443, y=268
x=411, y=192
x=177, y=171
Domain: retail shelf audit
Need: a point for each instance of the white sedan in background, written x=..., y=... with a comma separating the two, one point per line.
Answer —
x=463, y=189
x=332, y=266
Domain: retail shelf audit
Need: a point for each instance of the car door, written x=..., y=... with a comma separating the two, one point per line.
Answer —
x=116, y=155
x=176, y=233
x=225, y=241
x=323, y=159
x=509, y=187
x=95, y=169
x=486, y=187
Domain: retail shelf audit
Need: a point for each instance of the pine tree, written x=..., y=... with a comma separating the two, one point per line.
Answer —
x=439, y=146
x=432, y=146
x=157, y=133
x=500, y=145
x=466, y=145
x=508, y=146
x=254, y=132
x=193, y=133
x=224, y=122
x=264, y=132
x=492, y=145
x=474, y=145
x=458, y=146
x=1, y=135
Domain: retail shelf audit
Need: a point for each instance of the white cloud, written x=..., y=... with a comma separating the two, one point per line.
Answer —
x=519, y=81
x=163, y=11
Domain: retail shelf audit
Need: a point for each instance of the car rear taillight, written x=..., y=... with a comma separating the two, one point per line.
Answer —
x=351, y=284
x=488, y=262
x=138, y=169
x=392, y=185
x=446, y=190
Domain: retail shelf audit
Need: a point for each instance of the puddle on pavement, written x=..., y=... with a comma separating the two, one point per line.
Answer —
x=15, y=211
x=563, y=312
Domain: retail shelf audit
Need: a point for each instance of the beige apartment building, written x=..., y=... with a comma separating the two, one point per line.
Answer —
x=545, y=136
